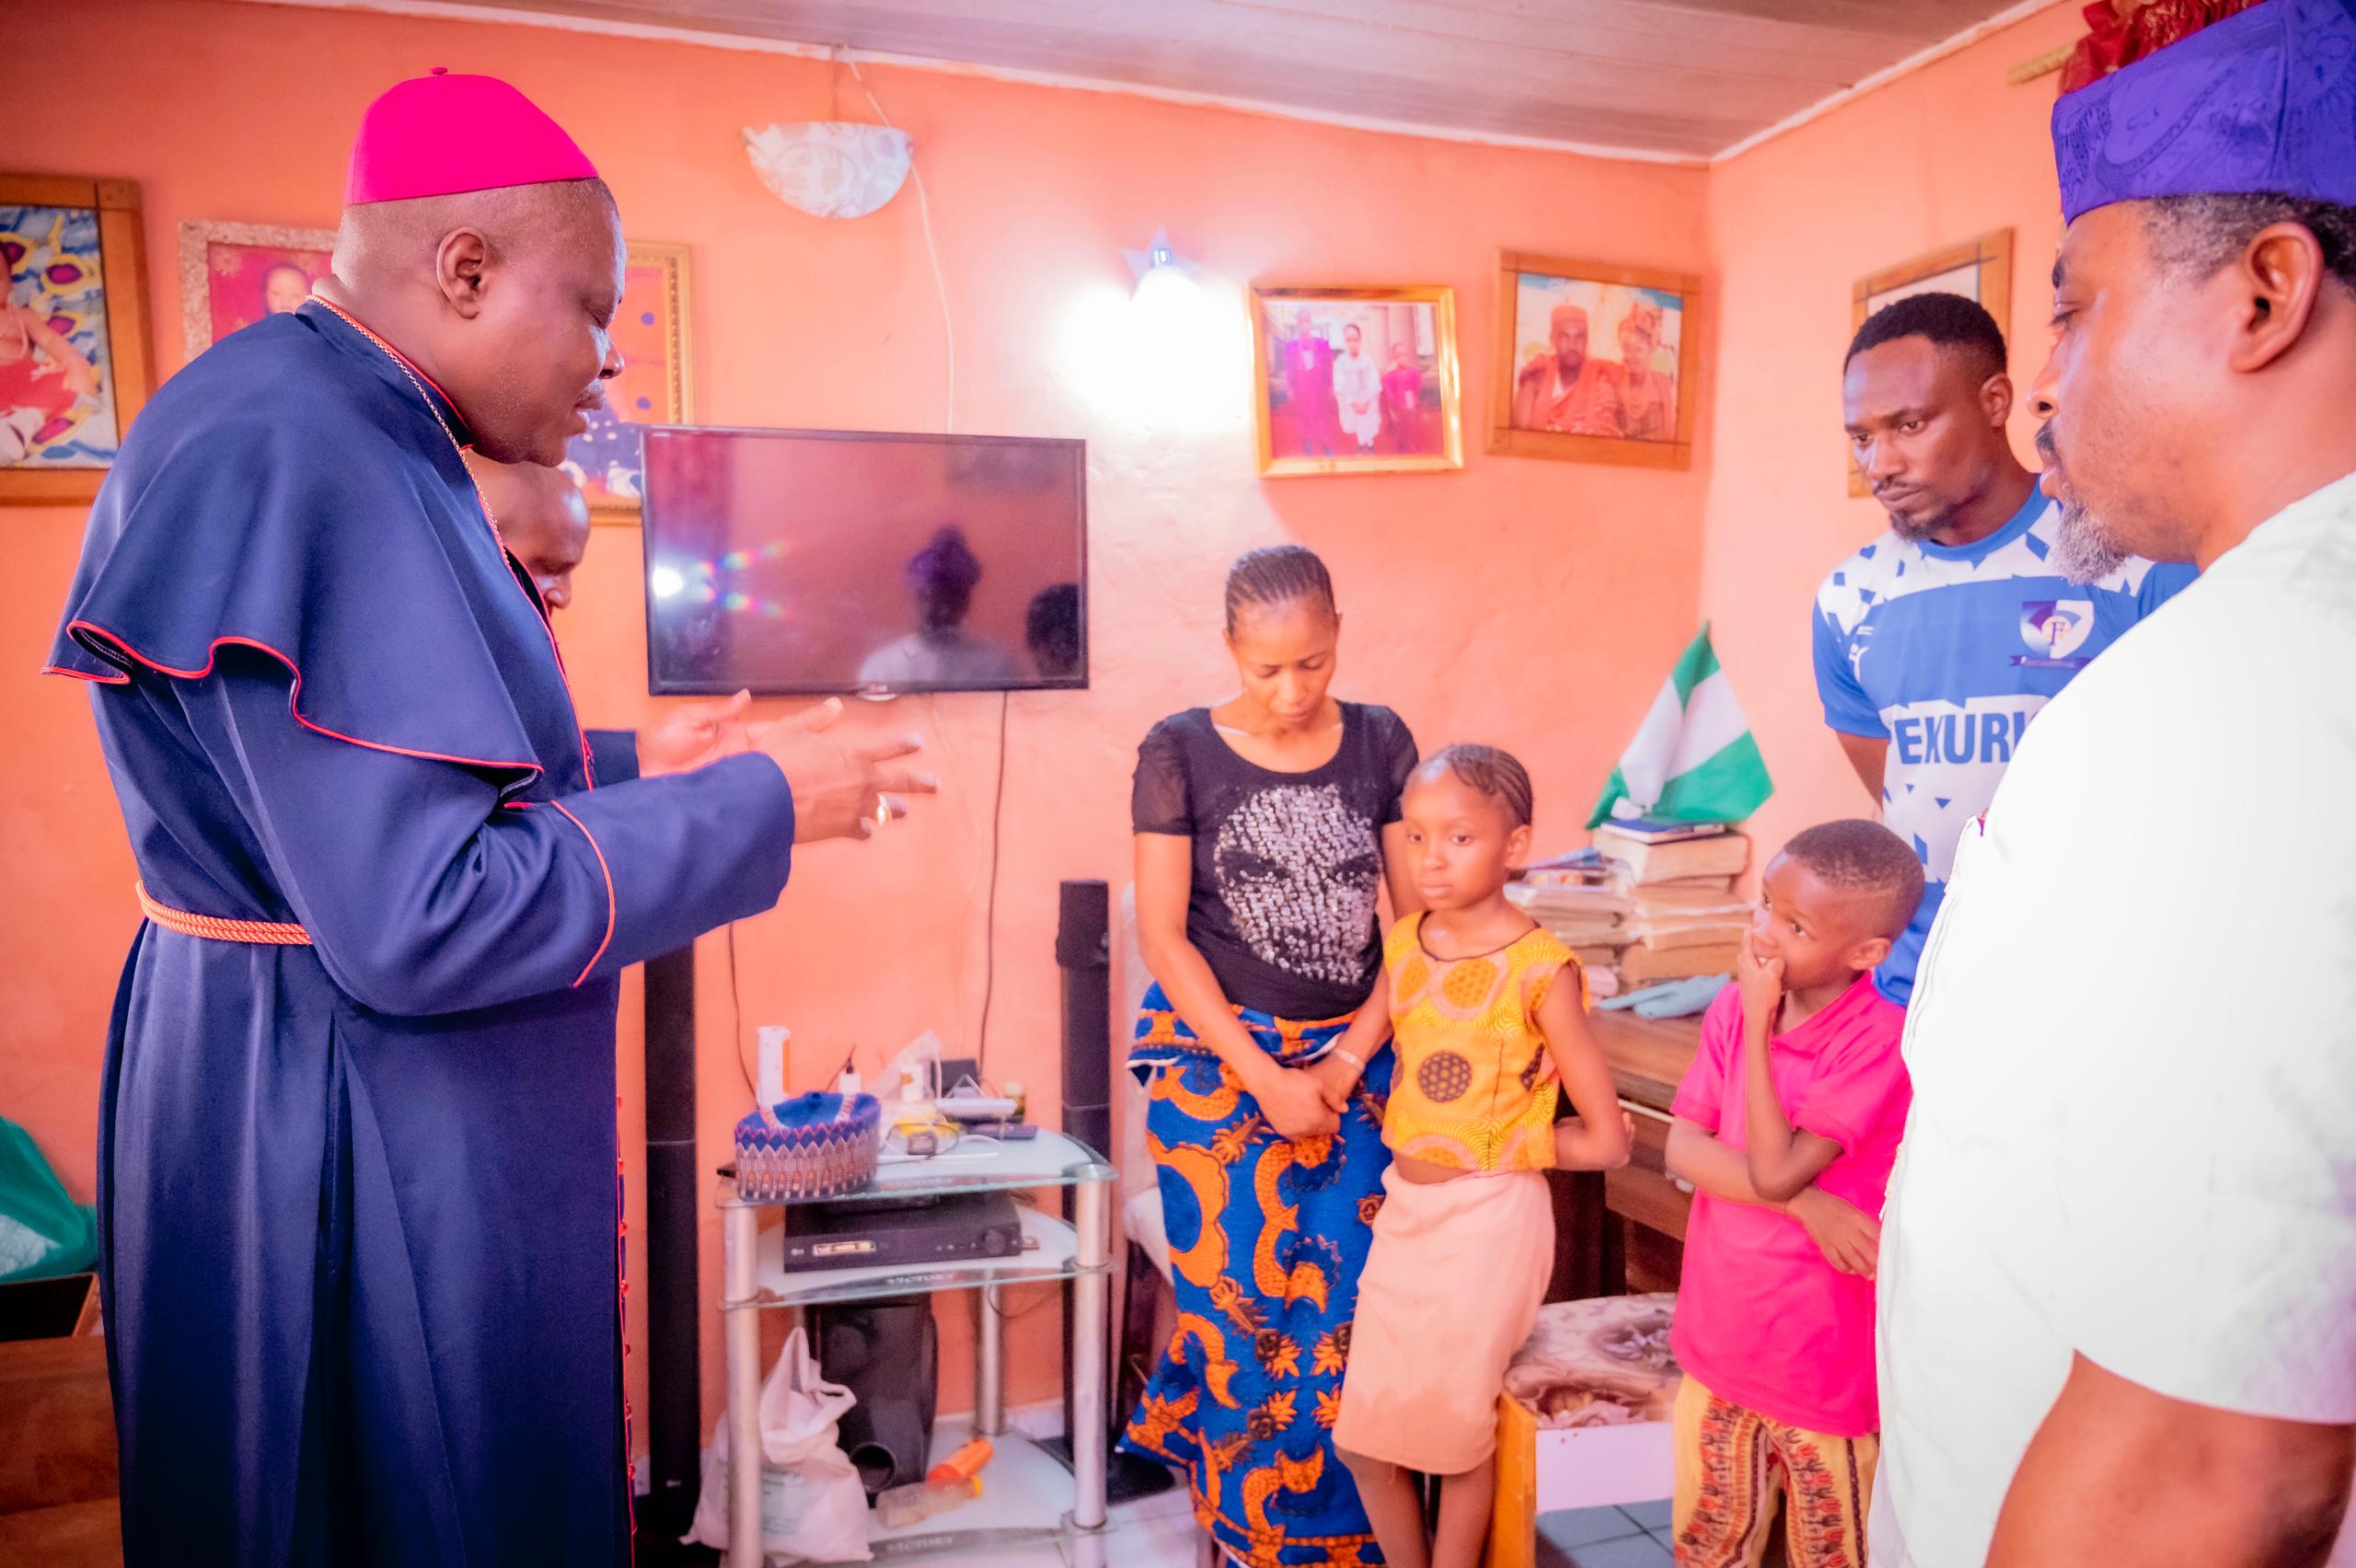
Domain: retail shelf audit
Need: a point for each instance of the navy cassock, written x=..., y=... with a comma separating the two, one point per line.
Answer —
x=357, y=1198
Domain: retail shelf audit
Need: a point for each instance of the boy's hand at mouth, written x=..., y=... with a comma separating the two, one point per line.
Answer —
x=1761, y=982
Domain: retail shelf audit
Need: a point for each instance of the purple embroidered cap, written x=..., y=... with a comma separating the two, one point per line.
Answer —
x=2264, y=100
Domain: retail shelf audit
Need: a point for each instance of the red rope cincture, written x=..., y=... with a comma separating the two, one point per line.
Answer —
x=264, y=933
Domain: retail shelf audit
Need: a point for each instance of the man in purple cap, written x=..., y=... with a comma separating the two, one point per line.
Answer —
x=2119, y=1259
x=357, y=1189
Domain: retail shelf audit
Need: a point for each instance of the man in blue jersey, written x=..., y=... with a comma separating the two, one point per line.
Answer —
x=1938, y=643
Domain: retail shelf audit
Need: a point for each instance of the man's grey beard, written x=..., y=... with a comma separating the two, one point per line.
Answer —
x=2081, y=552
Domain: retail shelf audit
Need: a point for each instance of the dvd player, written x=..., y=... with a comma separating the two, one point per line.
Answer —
x=950, y=1228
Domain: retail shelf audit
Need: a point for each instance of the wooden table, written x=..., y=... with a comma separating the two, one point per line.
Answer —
x=1624, y=1229
x=1648, y=1055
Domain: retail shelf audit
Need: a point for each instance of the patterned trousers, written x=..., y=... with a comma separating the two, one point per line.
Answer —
x=1734, y=1464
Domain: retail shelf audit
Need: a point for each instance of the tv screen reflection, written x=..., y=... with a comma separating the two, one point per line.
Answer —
x=807, y=561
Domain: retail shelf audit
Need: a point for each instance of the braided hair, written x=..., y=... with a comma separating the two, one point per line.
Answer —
x=1278, y=574
x=1494, y=772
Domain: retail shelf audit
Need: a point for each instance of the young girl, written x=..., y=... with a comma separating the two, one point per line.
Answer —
x=1265, y=829
x=1488, y=1014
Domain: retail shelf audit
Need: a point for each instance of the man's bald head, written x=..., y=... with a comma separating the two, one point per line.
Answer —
x=542, y=519
x=504, y=297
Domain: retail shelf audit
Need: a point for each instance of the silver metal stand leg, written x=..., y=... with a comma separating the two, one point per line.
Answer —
x=990, y=1363
x=1091, y=1330
x=740, y=1235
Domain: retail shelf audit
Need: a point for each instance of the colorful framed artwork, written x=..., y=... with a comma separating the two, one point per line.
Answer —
x=1356, y=380
x=652, y=333
x=1595, y=361
x=75, y=366
x=1978, y=269
x=234, y=274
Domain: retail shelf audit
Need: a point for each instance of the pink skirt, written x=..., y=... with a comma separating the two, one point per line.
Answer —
x=1450, y=1289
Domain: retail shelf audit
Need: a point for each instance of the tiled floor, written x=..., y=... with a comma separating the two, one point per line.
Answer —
x=1632, y=1537
x=1157, y=1532
x=1160, y=1533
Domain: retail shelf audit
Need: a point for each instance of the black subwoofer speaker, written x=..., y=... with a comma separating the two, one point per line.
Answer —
x=1084, y=953
x=887, y=1352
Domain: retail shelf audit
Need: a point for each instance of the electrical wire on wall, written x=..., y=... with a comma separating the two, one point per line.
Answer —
x=932, y=248
x=736, y=1020
x=949, y=426
x=989, y=918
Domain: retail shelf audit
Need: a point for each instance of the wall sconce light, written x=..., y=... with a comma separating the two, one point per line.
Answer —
x=830, y=168
x=1191, y=328
x=1159, y=254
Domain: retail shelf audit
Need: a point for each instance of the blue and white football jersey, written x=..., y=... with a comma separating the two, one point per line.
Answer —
x=1947, y=652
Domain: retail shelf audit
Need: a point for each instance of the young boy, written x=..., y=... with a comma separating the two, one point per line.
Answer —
x=1787, y=1126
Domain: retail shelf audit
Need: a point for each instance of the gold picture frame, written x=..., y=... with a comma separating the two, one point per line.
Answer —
x=80, y=225
x=1618, y=302
x=1414, y=421
x=1980, y=269
x=226, y=274
x=656, y=385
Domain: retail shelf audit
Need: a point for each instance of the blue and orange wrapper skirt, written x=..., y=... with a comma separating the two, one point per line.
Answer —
x=1267, y=1237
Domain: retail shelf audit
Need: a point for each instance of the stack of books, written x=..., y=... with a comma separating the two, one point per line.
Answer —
x=1648, y=901
x=1579, y=899
x=1684, y=917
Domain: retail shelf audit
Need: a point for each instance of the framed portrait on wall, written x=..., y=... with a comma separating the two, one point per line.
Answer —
x=75, y=366
x=652, y=333
x=234, y=274
x=1356, y=380
x=1978, y=269
x=1595, y=361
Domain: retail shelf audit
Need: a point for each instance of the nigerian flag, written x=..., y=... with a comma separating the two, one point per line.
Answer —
x=1693, y=759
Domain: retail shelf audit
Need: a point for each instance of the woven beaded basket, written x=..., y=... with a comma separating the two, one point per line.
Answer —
x=813, y=1146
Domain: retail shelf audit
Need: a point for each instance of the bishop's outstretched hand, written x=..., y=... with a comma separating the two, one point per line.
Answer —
x=842, y=789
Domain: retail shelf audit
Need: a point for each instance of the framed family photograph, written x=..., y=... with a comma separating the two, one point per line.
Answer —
x=1595, y=361
x=652, y=333
x=73, y=357
x=1978, y=269
x=234, y=274
x=1356, y=380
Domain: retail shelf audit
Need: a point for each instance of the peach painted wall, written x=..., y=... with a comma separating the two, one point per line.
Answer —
x=1938, y=156
x=1528, y=602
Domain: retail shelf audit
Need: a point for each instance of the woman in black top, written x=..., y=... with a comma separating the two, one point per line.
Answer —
x=1266, y=829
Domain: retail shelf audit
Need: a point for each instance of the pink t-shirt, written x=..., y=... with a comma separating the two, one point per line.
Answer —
x=1762, y=1318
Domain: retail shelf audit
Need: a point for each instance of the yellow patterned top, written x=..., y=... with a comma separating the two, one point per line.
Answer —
x=1475, y=1089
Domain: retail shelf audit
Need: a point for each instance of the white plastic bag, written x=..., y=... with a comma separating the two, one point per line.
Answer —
x=814, y=1508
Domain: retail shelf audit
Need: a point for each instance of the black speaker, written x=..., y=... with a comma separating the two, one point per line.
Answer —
x=887, y=1352
x=673, y=1375
x=1084, y=953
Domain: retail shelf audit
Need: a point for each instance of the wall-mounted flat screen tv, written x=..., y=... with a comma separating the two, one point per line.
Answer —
x=817, y=562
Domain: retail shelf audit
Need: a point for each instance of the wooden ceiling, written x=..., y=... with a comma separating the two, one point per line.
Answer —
x=1668, y=77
